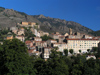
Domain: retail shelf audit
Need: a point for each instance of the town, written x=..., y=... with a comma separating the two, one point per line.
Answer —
x=41, y=43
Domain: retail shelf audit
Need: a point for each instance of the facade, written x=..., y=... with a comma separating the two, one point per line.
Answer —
x=50, y=42
x=70, y=31
x=81, y=44
x=61, y=39
x=28, y=44
x=28, y=24
x=21, y=31
x=61, y=46
x=46, y=52
x=9, y=37
x=43, y=44
x=66, y=34
x=55, y=36
x=37, y=39
x=20, y=37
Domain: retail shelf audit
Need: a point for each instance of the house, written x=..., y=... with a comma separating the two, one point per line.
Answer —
x=37, y=43
x=43, y=44
x=66, y=34
x=20, y=37
x=37, y=39
x=46, y=33
x=50, y=42
x=87, y=37
x=14, y=29
x=61, y=46
x=21, y=32
x=36, y=33
x=55, y=36
x=28, y=44
x=9, y=37
x=61, y=39
x=46, y=52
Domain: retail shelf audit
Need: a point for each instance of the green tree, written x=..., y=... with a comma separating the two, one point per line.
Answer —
x=45, y=37
x=15, y=59
x=71, y=51
x=95, y=49
x=88, y=50
x=66, y=52
x=79, y=51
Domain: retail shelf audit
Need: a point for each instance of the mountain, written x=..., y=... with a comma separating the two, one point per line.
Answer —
x=54, y=24
x=10, y=17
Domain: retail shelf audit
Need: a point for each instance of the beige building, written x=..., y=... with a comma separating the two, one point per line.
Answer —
x=50, y=42
x=61, y=46
x=66, y=34
x=46, y=52
x=9, y=37
x=81, y=44
x=28, y=24
x=20, y=31
x=20, y=37
x=70, y=31
x=55, y=36
x=61, y=39
x=37, y=39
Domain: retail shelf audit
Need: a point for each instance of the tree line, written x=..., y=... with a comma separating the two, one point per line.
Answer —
x=14, y=60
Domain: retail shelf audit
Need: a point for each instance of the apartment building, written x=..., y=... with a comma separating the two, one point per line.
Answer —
x=81, y=44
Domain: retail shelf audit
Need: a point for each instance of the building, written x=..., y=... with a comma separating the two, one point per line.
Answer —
x=50, y=42
x=61, y=46
x=55, y=36
x=14, y=29
x=43, y=44
x=20, y=37
x=21, y=32
x=61, y=39
x=46, y=52
x=29, y=44
x=70, y=31
x=66, y=34
x=9, y=37
x=81, y=44
x=37, y=39
x=28, y=24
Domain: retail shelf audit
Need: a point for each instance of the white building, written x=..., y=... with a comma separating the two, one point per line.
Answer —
x=81, y=44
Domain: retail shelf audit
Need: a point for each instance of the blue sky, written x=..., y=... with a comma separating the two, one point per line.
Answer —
x=85, y=12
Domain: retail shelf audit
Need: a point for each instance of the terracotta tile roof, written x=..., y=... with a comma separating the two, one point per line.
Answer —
x=19, y=36
x=30, y=51
x=80, y=39
x=43, y=41
x=62, y=36
x=47, y=47
x=26, y=42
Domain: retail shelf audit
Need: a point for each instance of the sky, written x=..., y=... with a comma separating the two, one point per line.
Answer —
x=85, y=12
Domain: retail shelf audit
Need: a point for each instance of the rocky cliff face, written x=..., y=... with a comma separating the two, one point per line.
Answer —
x=10, y=17
x=53, y=24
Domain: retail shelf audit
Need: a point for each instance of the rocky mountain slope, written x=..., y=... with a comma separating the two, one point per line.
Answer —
x=10, y=17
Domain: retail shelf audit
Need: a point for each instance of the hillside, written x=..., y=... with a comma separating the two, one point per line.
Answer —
x=10, y=17
x=63, y=26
